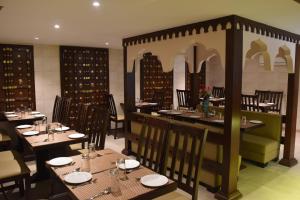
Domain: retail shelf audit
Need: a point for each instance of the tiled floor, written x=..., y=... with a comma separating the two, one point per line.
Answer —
x=275, y=182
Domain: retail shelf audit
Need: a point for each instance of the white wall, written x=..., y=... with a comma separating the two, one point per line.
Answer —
x=47, y=77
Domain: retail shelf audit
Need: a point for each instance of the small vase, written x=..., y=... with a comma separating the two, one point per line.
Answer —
x=205, y=105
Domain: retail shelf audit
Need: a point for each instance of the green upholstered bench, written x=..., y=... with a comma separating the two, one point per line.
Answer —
x=262, y=144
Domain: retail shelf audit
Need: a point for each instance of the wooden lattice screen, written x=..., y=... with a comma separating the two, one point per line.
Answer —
x=16, y=77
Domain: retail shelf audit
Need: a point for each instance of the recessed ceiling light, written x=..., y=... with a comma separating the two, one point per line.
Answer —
x=56, y=26
x=96, y=3
x=36, y=38
x=106, y=43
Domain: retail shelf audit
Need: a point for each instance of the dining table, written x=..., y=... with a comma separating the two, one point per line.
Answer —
x=216, y=101
x=44, y=148
x=100, y=167
x=28, y=117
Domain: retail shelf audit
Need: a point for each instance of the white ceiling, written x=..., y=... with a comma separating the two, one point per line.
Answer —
x=82, y=24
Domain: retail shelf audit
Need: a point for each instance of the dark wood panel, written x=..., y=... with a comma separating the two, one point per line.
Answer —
x=154, y=79
x=84, y=75
x=16, y=77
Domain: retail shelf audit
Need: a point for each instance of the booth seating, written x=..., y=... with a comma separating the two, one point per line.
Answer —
x=262, y=144
x=213, y=152
x=14, y=169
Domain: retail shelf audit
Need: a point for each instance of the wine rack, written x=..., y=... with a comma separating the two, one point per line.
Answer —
x=84, y=75
x=154, y=79
x=16, y=77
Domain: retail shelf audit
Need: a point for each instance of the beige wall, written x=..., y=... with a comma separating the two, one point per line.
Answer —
x=47, y=77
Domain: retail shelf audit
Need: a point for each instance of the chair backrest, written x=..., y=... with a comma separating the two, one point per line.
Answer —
x=250, y=102
x=184, y=98
x=96, y=125
x=151, y=143
x=184, y=149
x=81, y=118
x=276, y=97
x=159, y=98
x=112, y=105
x=56, y=109
x=218, y=92
x=263, y=95
x=65, y=111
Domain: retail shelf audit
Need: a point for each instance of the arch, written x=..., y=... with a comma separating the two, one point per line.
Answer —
x=284, y=54
x=259, y=48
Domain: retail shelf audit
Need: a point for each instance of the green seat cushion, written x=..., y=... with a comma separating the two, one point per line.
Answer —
x=258, y=144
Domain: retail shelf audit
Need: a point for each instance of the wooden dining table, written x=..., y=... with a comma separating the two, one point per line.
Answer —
x=100, y=168
x=25, y=118
x=44, y=149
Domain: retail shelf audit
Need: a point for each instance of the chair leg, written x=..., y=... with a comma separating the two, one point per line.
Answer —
x=115, y=132
x=27, y=187
x=3, y=192
x=21, y=186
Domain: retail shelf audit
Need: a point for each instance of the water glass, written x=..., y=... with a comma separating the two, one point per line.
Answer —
x=37, y=126
x=220, y=116
x=50, y=132
x=22, y=114
x=122, y=176
x=171, y=107
x=114, y=184
x=85, y=163
x=92, y=150
x=244, y=120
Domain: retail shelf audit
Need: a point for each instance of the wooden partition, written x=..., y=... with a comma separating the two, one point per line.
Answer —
x=16, y=77
x=84, y=75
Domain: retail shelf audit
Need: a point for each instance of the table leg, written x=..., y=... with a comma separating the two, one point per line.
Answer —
x=42, y=172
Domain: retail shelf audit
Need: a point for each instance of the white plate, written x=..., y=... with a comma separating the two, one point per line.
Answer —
x=154, y=180
x=175, y=113
x=60, y=161
x=218, y=120
x=24, y=126
x=152, y=103
x=30, y=133
x=34, y=113
x=270, y=103
x=76, y=135
x=39, y=115
x=163, y=111
x=78, y=177
x=64, y=128
x=255, y=122
x=130, y=164
x=11, y=115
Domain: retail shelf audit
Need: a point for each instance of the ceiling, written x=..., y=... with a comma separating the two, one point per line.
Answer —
x=82, y=24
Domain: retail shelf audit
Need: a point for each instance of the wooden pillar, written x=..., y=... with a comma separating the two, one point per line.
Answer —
x=129, y=98
x=195, y=83
x=233, y=82
x=291, y=114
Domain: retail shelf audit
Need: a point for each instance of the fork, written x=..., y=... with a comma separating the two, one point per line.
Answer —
x=104, y=192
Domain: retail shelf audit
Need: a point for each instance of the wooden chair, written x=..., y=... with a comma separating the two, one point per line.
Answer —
x=250, y=102
x=14, y=169
x=114, y=115
x=81, y=118
x=159, y=98
x=97, y=125
x=263, y=95
x=184, y=98
x=184, y=150
x=151, y=142
x=56, y=109
x=65, y=111
x=218, y=92
x=276, y=98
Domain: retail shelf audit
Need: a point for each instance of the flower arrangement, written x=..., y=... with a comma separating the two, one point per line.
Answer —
x=205, y=92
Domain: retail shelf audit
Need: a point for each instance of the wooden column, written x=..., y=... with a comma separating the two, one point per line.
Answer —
x=195, y=83
x=233, y=82
x=291, y=114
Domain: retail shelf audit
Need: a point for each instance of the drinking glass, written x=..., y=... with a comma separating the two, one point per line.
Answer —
x=92, y=150
x=37, y=126
x=50, y=132
x=171, y=107
x=29, y=110
x=122, y=176
x=244, y=120
x=85, y=163
x=114, y=181
x=220, y=116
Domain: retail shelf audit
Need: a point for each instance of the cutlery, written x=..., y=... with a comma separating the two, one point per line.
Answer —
x=104, y=192
x=86, y=183
x=70, y=164
x=75, y=170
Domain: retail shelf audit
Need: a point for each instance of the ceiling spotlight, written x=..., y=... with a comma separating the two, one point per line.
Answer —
x=56, y=26
x=96, y=3
x=106, y=43
x=36, y=38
